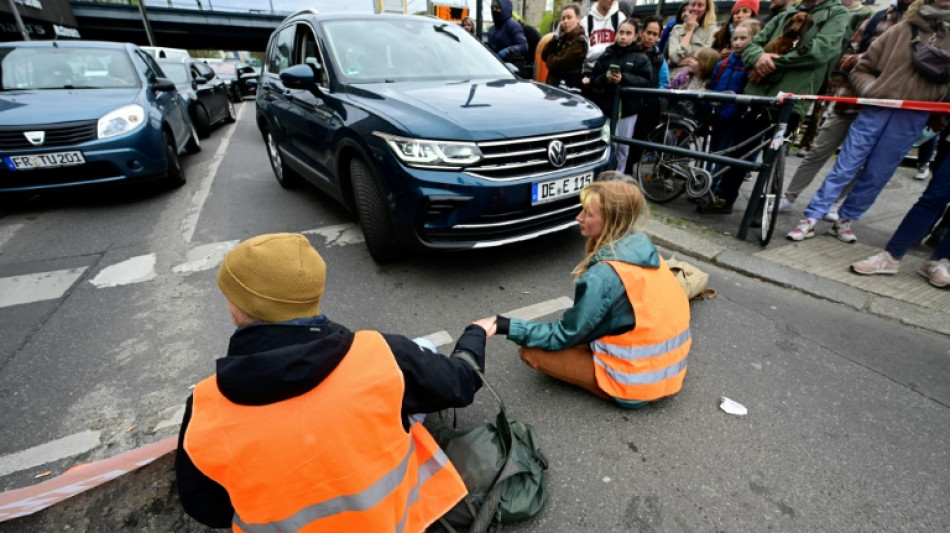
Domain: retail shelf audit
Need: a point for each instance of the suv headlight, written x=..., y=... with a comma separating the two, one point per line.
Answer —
x=420, y=152
x=605, y=133
x=123, y=120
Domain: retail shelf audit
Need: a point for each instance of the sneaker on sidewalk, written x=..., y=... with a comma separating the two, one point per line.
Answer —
x=784, y=206
x=937, y=272
x=802, y=152
x=882, y=263
x=842, y=230
x=832, y=214
x=804, y=230
x=922, y=173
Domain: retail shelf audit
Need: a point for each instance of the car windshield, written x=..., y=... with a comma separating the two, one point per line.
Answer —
x=223, y=68
x=391, y=49
x=177, y=72
x=66, y=68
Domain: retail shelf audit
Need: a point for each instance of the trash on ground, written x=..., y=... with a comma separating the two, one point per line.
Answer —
x=733, y=407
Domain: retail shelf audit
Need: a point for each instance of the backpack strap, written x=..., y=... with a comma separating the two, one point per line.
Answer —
x=615, y=20
x=870, y=29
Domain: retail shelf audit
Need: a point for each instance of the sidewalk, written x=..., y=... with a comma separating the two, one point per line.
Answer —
x=818, y=266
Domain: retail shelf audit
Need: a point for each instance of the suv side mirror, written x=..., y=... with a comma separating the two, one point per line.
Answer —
x=163, y=84
x=299, y=77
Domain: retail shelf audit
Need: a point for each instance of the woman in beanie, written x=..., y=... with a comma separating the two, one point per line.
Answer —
x=880, y=137
x=626, y=339
x=302, y=411
x=742, y=10
x=695, y=33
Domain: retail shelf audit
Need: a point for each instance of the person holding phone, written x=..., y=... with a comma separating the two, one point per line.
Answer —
x=565, y=53
x=624, y=65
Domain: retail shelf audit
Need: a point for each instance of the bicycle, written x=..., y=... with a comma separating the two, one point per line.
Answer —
x=664, y=176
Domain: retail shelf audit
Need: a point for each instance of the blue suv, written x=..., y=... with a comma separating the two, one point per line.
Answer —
x=79, y=113
x=431, y=140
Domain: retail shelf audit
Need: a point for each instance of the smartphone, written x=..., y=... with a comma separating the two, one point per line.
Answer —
x=614, y=69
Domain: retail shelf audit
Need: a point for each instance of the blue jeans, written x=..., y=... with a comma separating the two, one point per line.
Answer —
x=878, y=140
x=923, y=214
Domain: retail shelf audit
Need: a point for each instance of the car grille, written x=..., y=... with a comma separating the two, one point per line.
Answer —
x=528, y=157
x=63, y=134
x=510, y=224
x=100, y=170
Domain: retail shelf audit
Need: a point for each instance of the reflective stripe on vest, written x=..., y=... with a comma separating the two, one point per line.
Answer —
x=649, y=361
x=370, y=475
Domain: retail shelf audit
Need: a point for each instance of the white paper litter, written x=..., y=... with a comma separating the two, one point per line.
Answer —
x=733, y=407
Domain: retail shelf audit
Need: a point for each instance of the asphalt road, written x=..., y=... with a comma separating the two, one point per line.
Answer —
x=848, y=414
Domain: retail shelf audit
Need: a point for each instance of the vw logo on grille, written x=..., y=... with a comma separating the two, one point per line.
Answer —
x=36, y=138
x=557, y=155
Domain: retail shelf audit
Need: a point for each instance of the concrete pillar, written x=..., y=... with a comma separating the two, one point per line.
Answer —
x=531, y=10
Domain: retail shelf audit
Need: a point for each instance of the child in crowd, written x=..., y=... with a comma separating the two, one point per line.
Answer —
x=730, y=75
x=699, y=68
x=624, y=64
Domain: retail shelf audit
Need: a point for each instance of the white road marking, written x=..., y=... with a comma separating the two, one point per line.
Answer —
x=339, y=235
x=204, y=257
x=439, y=338
x=7, y=233
x=541, y=309
x=190, y=223
x=29, y=288
x=134, y=270
x=51, y=451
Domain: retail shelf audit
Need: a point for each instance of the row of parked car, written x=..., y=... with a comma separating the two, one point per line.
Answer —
x=82, y=113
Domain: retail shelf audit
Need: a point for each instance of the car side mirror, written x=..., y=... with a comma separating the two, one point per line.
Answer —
x=163, y=85
x=201, y=80
x=299, y=77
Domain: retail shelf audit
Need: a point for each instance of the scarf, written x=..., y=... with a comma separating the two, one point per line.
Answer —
x=939, y=19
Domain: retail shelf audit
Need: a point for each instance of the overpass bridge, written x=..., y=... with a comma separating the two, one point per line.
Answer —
x=175, y=27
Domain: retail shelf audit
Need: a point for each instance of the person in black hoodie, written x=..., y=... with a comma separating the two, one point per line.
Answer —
x=624, y=64
x=290, y=368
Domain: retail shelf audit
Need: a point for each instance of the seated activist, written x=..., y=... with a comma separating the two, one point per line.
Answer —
x=627, y=336
x=307, y=424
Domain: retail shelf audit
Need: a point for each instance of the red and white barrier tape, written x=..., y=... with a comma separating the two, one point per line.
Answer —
x=915, y=105
x=28, y=500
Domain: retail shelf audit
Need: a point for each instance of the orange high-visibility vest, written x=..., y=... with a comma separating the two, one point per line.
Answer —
x=333, y=459
x=649, y=361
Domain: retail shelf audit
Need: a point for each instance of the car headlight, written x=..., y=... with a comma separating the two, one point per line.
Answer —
x=605, y=133
x=123, y=120
x=432, y=153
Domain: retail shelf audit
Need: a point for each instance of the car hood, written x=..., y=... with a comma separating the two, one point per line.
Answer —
x=477, y=111
x=61, y=105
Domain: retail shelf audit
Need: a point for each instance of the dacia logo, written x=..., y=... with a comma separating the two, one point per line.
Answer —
x=557, y=154
x=36, y=138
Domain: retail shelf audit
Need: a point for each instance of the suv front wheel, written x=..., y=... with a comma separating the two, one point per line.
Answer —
x=373, y=214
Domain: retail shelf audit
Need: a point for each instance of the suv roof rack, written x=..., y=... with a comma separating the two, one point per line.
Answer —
x=307, y=11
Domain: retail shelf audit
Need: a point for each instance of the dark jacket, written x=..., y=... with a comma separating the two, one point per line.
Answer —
x=564, y=56
x=635, y=69
x=506, y=34
x=601, y=306
x=729, y=75
x=269, y=363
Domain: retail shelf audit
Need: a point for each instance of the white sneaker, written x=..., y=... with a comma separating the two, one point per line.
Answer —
x=842, y=230
x=922, y=173
x=937, y=272
x=804, y=230
x=881, y=263
x=784, y=206
x=832, y=214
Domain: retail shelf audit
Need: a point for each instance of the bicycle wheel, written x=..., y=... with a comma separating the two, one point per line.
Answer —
x=663, y=176
x=771, y=196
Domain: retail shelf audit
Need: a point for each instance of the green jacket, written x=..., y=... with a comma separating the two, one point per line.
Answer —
x=601, y=306
x=802, y=69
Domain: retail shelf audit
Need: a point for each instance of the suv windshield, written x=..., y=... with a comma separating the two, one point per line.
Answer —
x=66, y=68
x=407, y=50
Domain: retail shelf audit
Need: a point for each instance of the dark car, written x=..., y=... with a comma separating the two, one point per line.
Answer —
x=207, y=96
x=240, y=77
x=416, y=126
x=85, y=113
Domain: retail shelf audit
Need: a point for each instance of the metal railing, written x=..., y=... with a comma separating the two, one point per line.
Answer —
x=784, y=106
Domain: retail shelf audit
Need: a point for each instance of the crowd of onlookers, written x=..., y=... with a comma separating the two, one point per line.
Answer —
x=830, y=47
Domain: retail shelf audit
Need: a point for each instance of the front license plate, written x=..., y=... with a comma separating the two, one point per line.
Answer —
x=55, y=159
x=548, y=191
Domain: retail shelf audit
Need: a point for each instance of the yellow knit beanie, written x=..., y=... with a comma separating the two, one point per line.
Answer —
x=274, y=278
